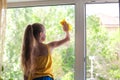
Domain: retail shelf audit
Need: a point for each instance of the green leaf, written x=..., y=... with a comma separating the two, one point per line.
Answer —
x=2, y=68
x=1, y=78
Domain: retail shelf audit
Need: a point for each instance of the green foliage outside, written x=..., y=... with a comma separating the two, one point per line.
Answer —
x=50, y=16
x=102, y=46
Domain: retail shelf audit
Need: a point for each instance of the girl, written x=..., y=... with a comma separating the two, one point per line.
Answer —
x=36, y=56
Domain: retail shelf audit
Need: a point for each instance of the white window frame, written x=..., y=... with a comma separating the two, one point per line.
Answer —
x=80, y=27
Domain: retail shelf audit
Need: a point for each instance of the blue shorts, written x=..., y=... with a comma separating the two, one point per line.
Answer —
x=44, y=78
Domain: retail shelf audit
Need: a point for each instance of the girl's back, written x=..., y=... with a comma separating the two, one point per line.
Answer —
x=41, y=61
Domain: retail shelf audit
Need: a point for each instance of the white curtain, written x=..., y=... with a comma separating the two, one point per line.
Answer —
x=3, y=6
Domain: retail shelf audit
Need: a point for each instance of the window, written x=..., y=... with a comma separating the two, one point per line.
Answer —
x=50, y=16
x=80, y=30
x=102, y=22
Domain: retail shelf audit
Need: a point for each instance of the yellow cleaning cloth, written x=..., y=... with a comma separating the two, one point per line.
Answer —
x=64, y=21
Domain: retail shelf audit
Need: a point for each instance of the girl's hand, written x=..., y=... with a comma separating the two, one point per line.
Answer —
x=65, y=26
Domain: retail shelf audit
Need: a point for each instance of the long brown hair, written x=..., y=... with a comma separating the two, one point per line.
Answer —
x=31, y=35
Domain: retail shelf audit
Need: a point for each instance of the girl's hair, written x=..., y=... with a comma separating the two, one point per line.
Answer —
x=31, y=35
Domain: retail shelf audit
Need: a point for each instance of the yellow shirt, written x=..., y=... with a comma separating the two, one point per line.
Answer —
x=42, y=66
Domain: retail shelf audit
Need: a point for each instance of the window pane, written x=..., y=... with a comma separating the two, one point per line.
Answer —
x=103, y=41
x=50, y=16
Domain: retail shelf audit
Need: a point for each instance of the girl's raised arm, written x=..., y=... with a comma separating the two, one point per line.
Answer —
x=55, y=44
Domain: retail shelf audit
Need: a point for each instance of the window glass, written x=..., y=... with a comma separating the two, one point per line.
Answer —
x=50, y=16
x=103, y=41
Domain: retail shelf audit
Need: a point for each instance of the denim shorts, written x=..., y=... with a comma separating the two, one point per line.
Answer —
x=44, y=78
